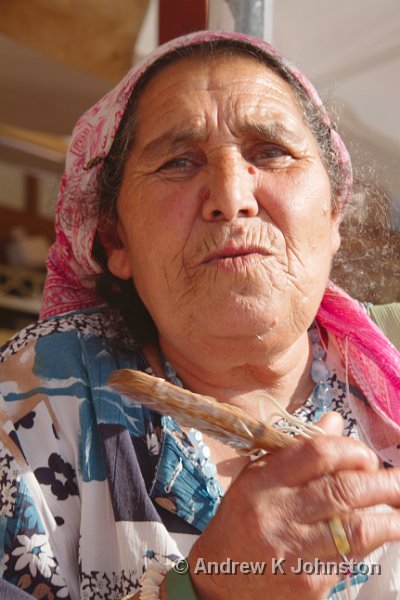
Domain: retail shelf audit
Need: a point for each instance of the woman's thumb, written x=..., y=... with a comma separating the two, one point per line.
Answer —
x=332, y=423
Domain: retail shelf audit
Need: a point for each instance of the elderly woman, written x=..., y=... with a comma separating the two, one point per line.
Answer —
x=204, y=195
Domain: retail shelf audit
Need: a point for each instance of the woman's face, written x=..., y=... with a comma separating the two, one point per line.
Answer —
x=225, y=206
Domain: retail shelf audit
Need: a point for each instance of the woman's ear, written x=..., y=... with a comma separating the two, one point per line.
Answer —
x=119, y=264
x=117, y=256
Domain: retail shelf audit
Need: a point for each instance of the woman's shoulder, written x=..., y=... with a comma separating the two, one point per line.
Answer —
x=76, y=325
x=76, y=347
x=68, y=334
x=57, y=371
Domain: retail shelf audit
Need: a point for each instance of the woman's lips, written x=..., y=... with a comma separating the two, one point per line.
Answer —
x=230, y=256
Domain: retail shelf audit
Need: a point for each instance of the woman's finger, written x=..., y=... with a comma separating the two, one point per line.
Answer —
x=365, y=531
x=332, y=423
x=344, y=492
x=307, y=460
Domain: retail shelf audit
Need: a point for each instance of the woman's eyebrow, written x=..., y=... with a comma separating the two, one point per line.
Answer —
x=270, y=130
x=172, y=140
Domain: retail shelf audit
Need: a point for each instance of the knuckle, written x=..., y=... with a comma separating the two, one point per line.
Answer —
x=393, y=477
x=341, y=492
x=358, y=533
x=318, y=451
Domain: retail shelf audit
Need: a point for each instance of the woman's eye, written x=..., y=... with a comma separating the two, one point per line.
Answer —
x=270, y=154
x=182, y=166
x=179, y=163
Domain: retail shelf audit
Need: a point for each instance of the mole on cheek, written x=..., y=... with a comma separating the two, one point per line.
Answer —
x=204, y=193
x=251, y=170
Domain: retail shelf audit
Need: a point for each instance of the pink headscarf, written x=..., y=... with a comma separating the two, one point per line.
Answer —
x=70, y=282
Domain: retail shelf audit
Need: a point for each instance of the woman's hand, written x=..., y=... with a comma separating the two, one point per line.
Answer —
x=278, y=508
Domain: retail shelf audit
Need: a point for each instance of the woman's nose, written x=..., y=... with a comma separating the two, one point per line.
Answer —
x=230, y=191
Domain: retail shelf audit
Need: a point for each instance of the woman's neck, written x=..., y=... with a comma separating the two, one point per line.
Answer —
x=241, y=381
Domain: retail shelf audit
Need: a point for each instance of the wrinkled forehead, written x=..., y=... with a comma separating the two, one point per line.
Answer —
x=195, y=70
x=202, y=92
x=201, y=58
x=199, y=94
x=212, y=72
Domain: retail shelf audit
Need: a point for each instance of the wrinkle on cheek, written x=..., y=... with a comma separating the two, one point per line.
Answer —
x=301, y=278
x=194, y=288
x=298, y=276
x=180, y=273
x=167, y=280
x=295, y=257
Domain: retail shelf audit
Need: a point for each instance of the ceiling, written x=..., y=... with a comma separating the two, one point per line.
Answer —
x=351, y=50
x=60, y=56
